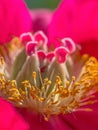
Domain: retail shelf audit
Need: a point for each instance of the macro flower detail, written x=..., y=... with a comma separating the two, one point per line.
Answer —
x=46, y=81
x=77, y=20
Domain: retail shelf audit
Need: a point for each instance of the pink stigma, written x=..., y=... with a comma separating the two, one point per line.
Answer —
x=69, y=44
x=41, y=55
x=50, y=56
x=31, y=48
x=26, y=37
x=40, y=37
x=61, y=54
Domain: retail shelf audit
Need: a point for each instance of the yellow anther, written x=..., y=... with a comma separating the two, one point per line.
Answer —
x=64, y=93
x=73, y=78
x=45, y=80
x=54, y=102
x=13, y=83
x=41, y=99
x=58, y=80
x=2, y=60
x=49, y=82
x=67, y=83
x=57, y=99
x=26, y=83
x=34, y=75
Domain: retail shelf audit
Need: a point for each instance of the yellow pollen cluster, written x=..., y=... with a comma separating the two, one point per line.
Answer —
x=13, y=45
x=61, y=99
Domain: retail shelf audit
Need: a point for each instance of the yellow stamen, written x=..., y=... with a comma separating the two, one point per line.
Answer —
x=61, y=99
x=34, y=75
x=2, y=60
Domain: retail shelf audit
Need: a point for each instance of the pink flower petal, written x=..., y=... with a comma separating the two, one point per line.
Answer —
x=58, y=123
x=37, y=122
x=82, y=120
x=78, y=20
x=14, y=19
x=90, y=47
x=10, y=119
x=61, y=22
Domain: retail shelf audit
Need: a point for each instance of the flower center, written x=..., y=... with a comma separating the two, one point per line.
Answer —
x=44, y=83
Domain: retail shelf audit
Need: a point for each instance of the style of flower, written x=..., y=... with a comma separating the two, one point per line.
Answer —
x=77, y=20
x=46, y=82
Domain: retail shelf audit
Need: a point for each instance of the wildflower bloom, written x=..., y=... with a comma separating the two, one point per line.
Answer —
x=46, y=82
x=52, y=89
x=78, y=20
x=14, y=19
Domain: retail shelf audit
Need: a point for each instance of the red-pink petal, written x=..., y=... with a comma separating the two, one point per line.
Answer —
x=37, y=122
x=61, y=22
x=73, y=121
x=10, y=119
x=78, y=20
x=14, y=19
x=82, y=120
x=90, y=47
